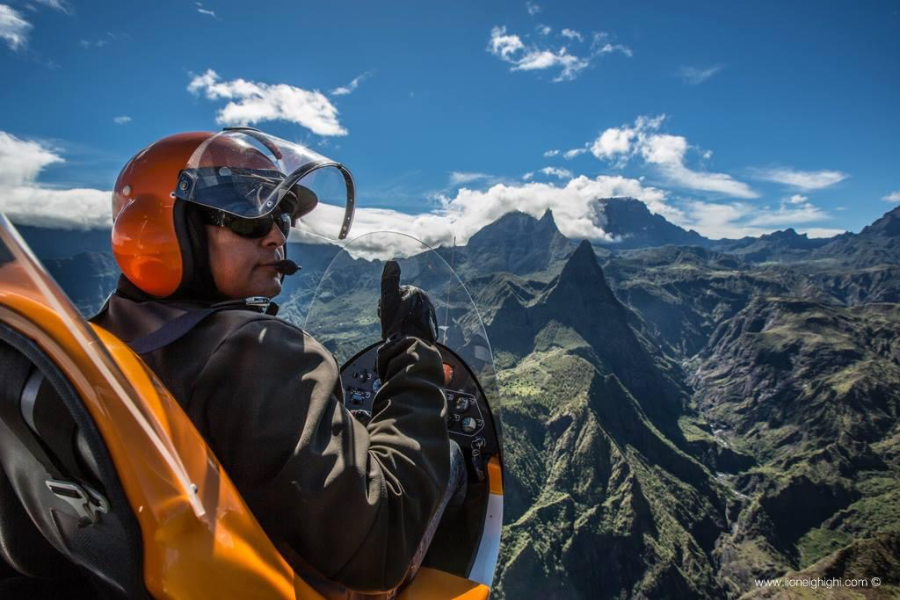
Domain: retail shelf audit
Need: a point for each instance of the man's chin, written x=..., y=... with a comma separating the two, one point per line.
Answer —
x=269, y=288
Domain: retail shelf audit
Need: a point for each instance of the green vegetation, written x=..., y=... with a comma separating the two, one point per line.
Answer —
x=786, y=452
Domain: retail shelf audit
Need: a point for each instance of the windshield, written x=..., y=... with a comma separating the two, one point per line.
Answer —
x=343, y=313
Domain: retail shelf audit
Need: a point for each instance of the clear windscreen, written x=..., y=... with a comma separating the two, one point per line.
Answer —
x=343, y=313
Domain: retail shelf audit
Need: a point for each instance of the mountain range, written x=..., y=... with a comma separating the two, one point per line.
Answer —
x=682, y=416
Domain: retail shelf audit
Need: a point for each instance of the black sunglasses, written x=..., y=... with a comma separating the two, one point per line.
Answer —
x=250, y=228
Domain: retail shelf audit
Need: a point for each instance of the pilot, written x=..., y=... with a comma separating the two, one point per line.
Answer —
x=342, y=501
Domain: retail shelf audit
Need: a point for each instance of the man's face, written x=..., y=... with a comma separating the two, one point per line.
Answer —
x=243, y=267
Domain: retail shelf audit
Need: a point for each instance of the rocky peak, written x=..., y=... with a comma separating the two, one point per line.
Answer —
x=518, y=243
x=512, y=224
x=888, y=225
x=547, y=221
x=582, y=265
x=631, y=221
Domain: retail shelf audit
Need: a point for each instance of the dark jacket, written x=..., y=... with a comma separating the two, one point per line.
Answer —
x=353, y=501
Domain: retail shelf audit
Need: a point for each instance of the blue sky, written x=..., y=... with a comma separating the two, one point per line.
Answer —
x=732, y=118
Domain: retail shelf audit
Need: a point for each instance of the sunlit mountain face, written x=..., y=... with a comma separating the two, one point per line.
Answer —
x=679, y=413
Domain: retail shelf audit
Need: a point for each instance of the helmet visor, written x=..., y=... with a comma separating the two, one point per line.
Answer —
x=247, y=173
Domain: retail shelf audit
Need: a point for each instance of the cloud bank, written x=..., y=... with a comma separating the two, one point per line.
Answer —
x=27, y=202
x=574, y=209
x=573, y=202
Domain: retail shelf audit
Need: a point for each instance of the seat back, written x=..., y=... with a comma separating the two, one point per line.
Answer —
x=62, y=504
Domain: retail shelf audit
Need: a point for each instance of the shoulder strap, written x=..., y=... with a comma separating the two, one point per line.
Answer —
x=174, y=330
x=171, y=331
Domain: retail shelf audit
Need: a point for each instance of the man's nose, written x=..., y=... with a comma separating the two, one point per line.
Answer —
x=275, y=238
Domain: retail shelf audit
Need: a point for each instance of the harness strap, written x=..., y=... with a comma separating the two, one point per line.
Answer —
x=177, y=328
x=171, y=331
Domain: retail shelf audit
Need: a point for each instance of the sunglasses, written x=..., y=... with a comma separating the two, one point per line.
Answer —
x=250, y=228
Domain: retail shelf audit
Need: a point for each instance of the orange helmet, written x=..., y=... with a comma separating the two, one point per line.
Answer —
x=240, y=171
x=147, y=243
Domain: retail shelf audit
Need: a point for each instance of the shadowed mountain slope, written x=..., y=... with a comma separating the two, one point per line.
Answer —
x=634, y=226
x=515, y=243
x=878, y=243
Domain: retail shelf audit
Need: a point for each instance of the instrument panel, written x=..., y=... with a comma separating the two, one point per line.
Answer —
x=470, y=422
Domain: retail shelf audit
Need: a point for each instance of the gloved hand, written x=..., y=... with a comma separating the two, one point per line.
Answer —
x=404, y=310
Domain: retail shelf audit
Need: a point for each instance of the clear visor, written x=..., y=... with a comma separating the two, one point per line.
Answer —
x=247, y=173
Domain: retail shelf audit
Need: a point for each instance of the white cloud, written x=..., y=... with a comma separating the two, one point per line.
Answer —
x=600, y=44
x=205, y=11
x=13, y=28
x=717, y=221
x=461, y=178
x=570, y=154
x=569, y=64
x=57, y=4
x=544, y=29
x=892, y=197
x=804, y=180
x=26, y=201
x=797, y=199
x=557, y=172
x=103, y=41
x=504, y=45
x=532, y=8
x=22, y=160
x=79, y=209
x=532, y=57
x=251, y=102
x=821, y=232
x=93, y=44
x=528, y=176
x=696, y=76
x=788, y=215
x=707, y=155
x=739, y=219
x=550, y=153
x=574, y=207
x=350, y=87
x=664, y=152
x=571, y=34
x=124, y=119
x=612, y=142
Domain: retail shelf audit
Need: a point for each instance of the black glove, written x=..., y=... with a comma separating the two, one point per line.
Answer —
x=404, y=310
